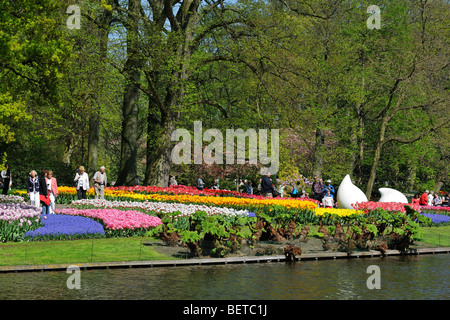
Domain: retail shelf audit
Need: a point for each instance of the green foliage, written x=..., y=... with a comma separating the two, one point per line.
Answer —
x=313, y=67
x=206, y=234
x=13, y=231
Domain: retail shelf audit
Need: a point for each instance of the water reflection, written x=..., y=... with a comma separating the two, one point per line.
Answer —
x=409, y=277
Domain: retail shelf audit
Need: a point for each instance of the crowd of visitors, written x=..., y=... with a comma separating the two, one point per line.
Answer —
x=430, y=198
x=324, y=193
x=43, y=189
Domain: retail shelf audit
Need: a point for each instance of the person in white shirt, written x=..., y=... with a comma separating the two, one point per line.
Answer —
x=100, y=181
x=430, y=198
x=33, y=189
x=82, y=185
x=327, y=200
x=173, y=181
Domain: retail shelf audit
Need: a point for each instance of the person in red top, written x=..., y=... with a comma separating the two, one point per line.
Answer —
x=423, y=201
x=416, y=199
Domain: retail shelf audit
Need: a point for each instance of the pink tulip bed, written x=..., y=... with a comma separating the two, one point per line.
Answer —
x=117, y=222
x=389, y=206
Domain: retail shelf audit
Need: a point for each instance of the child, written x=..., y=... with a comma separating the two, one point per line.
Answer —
x=327, y=200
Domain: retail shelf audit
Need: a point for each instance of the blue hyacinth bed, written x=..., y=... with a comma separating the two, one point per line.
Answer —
x=56, y=226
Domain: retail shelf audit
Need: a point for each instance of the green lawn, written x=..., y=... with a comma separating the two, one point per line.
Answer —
x=436, y=236
x=78, y=251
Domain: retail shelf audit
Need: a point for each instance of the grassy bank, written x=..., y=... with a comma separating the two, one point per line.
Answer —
x=436, y=236
x=78, y=251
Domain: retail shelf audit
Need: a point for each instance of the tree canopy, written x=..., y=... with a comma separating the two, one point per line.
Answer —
x=346, y=97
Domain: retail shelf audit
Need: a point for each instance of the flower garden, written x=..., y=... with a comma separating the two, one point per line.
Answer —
x=215, y=222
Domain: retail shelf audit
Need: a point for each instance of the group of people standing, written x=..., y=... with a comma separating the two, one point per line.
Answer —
x=323, y=192
x=429, y=199
x=82, y=183
x=43, y=189
x=201, y=184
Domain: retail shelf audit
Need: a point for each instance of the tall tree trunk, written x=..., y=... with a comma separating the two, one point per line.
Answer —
x=94, y=119
x=93, y=138
x=128, y=159
x=128, y=154
x=359, y=167
x=69, y=148
x=158, y=169
x=153, y=127
x=159, y=162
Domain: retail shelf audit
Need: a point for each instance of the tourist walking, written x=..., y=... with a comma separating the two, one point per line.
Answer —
x=100, y=181
x=437, y=201
x=33, y=189
x=415, y=199
x=424, y=198
x=249, y=188
x=446, y=200
x=6, y=177
x=430, y=198
x=173, y=181
x=215, y=185
x=281, y=191
x=52, y=187
x=43, y=192
x=82, y=183
x=295, y=193
x=267, y=188
x=200, y=183
x=328, y=186
x=317, y=189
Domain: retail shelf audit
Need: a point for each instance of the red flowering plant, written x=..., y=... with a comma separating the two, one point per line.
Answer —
x=388, y=206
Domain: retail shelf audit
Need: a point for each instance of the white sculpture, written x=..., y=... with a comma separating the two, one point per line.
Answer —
x=392, y=195
x=349, y=194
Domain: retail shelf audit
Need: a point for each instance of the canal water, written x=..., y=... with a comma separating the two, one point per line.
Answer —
x=401, y=277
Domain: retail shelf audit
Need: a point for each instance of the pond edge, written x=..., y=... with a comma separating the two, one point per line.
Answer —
x=215, y=261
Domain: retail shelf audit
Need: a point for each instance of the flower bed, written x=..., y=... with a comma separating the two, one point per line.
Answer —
x=181, y=189
x=118, y=222
x=67, y=193
x=64, y=227
x=160, y=208
x=16, y=219
x=10, y=198
x=438, y=219
x=238, y=203
x=434, y=209
x=389, y=206
x=337, y=212
x=171, y=194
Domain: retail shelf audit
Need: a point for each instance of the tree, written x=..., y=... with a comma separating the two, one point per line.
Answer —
x=34, y=53
x=411, y=92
